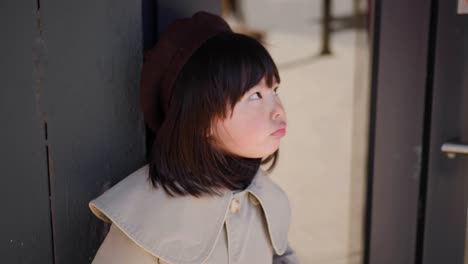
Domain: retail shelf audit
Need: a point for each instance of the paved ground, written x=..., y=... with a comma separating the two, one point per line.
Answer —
x=321, y=159
x=315, y=164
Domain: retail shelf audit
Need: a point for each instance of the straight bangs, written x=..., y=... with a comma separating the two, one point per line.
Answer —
x=183, y=159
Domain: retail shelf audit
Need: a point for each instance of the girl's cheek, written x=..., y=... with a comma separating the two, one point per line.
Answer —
x=254, y=130
x=249, y=118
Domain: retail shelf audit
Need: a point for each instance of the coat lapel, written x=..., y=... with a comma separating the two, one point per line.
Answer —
x=184, y=229
x=276, y=207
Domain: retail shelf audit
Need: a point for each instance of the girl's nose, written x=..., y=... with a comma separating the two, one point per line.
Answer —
x=278, y=111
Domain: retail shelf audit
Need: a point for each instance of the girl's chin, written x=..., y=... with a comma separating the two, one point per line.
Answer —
x=268, y=153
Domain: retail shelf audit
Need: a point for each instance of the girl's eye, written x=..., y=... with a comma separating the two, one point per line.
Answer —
x=257, y=95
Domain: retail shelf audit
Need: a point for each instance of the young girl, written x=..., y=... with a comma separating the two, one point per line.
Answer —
x=211, y=97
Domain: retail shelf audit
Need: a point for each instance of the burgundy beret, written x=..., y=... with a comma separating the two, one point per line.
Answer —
x=163, y=62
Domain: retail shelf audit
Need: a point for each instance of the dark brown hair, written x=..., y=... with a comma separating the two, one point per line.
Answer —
x=183, y=160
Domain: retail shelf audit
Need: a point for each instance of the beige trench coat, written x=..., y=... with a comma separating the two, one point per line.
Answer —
x=148, y=226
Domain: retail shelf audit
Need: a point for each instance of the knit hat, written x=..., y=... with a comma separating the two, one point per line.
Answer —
x=164, y=61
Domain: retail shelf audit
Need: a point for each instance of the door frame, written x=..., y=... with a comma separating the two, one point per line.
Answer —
x=398, y=150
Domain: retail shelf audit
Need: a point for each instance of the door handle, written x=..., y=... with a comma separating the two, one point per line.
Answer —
x=452, y=149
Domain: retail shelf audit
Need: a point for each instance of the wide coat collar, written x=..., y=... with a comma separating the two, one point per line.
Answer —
x=165, y=226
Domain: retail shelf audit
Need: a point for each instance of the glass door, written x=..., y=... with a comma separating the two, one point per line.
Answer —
x=443, y=229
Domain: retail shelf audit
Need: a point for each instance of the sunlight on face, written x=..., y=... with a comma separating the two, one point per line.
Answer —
x=256, y=116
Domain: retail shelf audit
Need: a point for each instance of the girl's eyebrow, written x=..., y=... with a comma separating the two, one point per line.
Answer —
x=268, y=87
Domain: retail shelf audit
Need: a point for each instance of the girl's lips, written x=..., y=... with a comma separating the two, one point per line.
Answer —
x=280, y=132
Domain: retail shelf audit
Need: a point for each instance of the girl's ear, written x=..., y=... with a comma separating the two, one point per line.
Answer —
x=209, y=133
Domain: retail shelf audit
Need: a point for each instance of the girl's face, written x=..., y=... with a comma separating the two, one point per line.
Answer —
x=250, y=131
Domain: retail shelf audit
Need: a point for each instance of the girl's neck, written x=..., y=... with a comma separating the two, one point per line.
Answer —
x=241, y=169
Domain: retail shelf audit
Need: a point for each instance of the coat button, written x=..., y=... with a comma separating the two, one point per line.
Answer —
x=253, y=199
x=235, y=205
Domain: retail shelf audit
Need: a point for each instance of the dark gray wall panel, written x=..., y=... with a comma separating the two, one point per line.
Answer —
x=25, y=233
x=93, y=56
x=169, y=10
